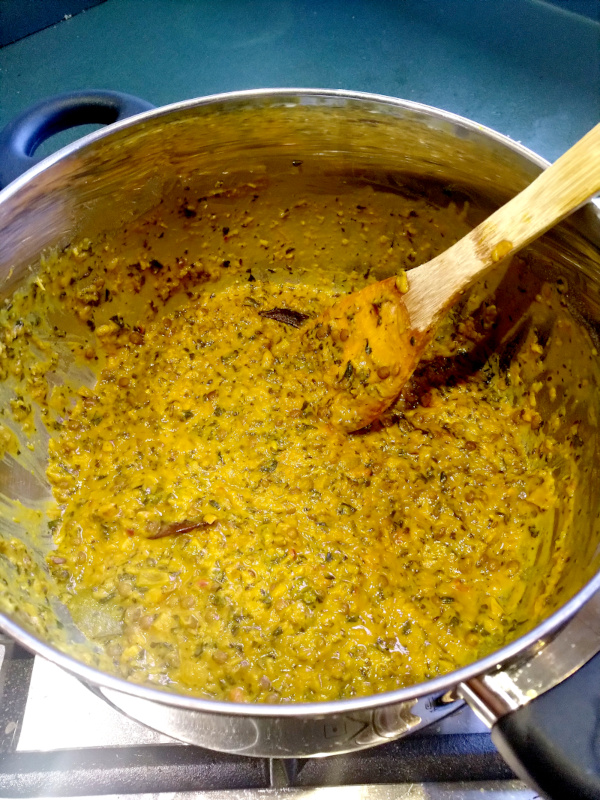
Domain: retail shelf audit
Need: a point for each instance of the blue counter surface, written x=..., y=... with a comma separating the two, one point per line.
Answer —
x=528, y=68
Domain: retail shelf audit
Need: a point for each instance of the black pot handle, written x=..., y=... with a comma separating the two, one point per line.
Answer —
x=21, y=137
x=553, y=742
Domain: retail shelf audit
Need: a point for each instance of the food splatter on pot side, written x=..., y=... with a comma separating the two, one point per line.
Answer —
x=214, y=535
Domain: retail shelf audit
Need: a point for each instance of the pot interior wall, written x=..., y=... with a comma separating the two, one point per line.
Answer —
x=337, y=144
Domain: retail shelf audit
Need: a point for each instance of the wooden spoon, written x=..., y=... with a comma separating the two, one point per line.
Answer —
x=367, y=345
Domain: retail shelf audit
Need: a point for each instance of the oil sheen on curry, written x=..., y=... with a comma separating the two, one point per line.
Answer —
x=212, y=533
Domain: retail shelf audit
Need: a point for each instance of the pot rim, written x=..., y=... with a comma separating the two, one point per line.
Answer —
x=490, y=663
x=276, y=93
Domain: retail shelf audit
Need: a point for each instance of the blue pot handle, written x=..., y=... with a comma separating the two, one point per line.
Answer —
x=21, y=137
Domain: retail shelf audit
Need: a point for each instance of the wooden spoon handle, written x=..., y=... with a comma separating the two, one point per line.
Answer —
x=556, y=193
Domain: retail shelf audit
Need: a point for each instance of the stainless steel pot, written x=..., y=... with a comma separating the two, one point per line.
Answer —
x=110, y=177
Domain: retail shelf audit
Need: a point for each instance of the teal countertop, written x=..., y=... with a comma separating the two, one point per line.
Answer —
x=528, y=68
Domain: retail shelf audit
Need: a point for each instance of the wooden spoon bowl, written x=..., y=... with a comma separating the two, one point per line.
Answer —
x=367, y=345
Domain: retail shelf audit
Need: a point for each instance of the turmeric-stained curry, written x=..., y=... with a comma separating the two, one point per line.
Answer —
x=215, y=535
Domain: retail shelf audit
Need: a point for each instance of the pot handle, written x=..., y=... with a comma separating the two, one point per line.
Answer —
x=21, y=137
x=553, y=742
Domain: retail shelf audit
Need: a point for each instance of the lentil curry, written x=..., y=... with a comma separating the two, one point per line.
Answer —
x=211, y=533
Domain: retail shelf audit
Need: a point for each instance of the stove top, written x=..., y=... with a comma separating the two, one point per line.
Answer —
x=58, y=739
